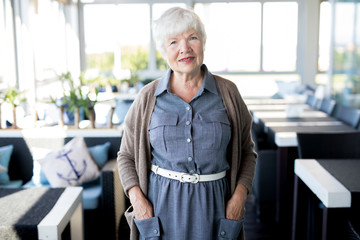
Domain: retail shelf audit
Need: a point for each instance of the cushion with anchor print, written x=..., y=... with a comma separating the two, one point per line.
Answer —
x=72, y=165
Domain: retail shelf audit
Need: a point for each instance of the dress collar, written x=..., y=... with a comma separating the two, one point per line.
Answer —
x=209, y=82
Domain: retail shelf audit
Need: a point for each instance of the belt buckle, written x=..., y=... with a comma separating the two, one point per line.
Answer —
x=189, y=178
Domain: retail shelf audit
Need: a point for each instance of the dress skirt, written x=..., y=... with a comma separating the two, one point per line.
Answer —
x=186, y=211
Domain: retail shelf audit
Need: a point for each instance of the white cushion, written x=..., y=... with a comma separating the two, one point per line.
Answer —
x=70, y=166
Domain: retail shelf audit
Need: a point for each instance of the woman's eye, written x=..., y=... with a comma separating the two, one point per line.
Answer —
x=193, y=38
x=172, y=42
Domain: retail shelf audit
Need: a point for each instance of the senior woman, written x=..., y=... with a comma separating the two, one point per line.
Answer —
x=186, y=159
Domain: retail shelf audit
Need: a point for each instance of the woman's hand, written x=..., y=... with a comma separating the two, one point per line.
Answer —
x=235, y=207
x=143, y=209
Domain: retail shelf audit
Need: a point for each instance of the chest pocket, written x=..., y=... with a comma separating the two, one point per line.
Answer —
x=162, y=131
x=215, y=129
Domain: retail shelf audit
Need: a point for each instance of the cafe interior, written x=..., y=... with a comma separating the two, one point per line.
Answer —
x=70, y=70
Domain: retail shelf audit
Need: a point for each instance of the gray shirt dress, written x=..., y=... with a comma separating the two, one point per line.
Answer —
x=192, y=138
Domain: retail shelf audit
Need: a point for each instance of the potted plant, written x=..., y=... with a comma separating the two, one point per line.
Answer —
x=59, y=103
x=74, y=99
x=88, y=104
x=15, y=97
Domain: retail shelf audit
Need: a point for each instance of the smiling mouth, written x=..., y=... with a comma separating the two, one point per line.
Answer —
x=188, y=59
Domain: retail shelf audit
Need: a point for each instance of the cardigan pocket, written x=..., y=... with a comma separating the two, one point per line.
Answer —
x=129, y=215
x=149, y=228
x=229, y=229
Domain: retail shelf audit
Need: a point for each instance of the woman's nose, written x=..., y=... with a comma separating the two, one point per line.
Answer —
x=185, y=47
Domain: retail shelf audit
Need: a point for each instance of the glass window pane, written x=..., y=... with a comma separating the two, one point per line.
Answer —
x=357, y=26
x=280, y=36
x=159, y=8
x=357, y=32
x=324, y=36
x=346, y=78
x=233, y=35
x=344, y=35
x=117, y=40
x=7, y=46
x=50, y=48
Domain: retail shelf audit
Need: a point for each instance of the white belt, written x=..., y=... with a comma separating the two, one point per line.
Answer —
x=186, y=177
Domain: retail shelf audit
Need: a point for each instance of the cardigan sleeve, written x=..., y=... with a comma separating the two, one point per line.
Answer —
x=135, y=155
x=126, y=155
x=241, y=151
x=248, y=154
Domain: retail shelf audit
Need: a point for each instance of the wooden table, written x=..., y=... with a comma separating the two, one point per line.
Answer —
x=270, y=101
x=285, y=139
x=285, y=135
x=281, y=115
x=336, y=183
x=276, y=107
x=282, y=132
x=53, y=212
x=68, y=209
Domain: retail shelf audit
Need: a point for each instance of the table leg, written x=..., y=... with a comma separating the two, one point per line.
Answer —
x=76, y=224
x=68, y=207
x=301, y=217
x=284, y=187
x=295, y=208
x=334, y=223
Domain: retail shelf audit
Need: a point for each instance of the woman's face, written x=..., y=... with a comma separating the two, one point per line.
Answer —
x=185, y=53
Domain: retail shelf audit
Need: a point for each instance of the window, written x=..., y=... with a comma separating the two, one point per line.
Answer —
x=280, y=37
x=233, y=36
x=7, y=46
x=53, y=43
x=250, y=36
x=324, y=37
x=116, y=39
x=346, y=53
x=243, y=37
x=344, y=36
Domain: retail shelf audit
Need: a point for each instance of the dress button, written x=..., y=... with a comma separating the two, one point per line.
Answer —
x=187, y=123
x=223, y=233
x=190, y=159
x=188, y=140
x=188, y=108
x=155, y=231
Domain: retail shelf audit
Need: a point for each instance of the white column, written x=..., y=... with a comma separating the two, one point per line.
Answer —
x=23, y=13
x=80, y=8
x=72, y=39
x=152, y=53
x=308, y=40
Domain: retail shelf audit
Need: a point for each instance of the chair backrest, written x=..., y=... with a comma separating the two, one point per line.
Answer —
x=339, y=145
x=310, y=100
x=21, y=161
x=348, y=115
x=327, y=106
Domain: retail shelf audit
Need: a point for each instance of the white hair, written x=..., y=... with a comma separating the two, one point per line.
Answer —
x=176, y=21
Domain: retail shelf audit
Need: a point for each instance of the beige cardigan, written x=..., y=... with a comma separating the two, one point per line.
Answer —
x=134, y=157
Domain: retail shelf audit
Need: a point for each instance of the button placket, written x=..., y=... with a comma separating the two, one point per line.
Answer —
x=189, y=137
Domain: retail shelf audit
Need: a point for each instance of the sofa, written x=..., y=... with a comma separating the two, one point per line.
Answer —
x=103, y=198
